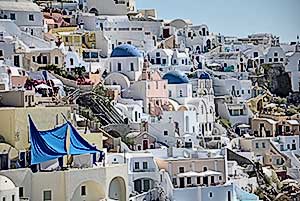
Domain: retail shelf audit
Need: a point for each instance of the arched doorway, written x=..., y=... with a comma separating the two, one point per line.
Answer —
x=208, y=44
x=88, y=191
x=94, y=10
x=117, y=189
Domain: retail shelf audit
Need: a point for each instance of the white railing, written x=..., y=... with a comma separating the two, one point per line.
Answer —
x=147, y=196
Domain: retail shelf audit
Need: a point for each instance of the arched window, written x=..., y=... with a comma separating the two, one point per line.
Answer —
x=71, y=61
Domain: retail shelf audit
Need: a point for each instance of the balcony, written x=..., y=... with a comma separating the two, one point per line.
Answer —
x=145, y=170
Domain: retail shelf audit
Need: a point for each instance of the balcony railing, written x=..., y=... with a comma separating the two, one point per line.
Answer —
x=145, y=170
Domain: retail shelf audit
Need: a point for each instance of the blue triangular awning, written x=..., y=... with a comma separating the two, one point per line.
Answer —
x=47, y=145
x=78, y=145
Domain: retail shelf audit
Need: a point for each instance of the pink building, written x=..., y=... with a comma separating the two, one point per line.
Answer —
x=150, y=88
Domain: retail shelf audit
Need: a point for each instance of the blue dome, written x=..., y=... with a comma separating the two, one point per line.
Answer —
x=176, y=77
x=126, y=50
x=204, y=76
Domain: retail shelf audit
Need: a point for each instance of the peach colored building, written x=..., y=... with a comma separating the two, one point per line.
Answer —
x=194, y=171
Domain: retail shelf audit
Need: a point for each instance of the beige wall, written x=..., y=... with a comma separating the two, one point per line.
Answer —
x=255, y=125
x=17, y=98
x=14, y=122
x=66, y=185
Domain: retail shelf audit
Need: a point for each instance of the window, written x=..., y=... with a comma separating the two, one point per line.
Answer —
x=255, y=54
x=83, y=190
x=275, y=54
x=210, y=194
x=180, y=93
x=157, y=54
x=119, y=67
x=3, y=198
x=45, y=60
x=136, y=165
x=13, y=198
x=33, y=58
x=17, y=61
x=164, y=61
x=256, y=145
x=281, y=59
x=198, y=180
x=71, y=61
x=204, y=169
x=166, y=133
x=263, y=145
x=181, y=169
x=13, y=16
x=132, y=66
x=146, y=183
x=56, y=59
x=270, y=60
x=1, y=53
x=31, y=17
x=288, y=146
x=261, y=61
x=220, y=178
x=145, y=165
x=243, y=91
x=47, y=195
x=275, y=59
x=249, y=91
x=21, y=192
x=170, y=93
x=189, y=180
x=174, y=181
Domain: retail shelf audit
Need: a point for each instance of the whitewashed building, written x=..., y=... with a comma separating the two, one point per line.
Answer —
x=293, y=67
x=25, y=14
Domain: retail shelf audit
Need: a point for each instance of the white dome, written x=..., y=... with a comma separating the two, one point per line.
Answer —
x=6, y=183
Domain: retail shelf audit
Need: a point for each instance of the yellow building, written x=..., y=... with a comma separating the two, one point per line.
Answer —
x=75, y=38
x=14, y=125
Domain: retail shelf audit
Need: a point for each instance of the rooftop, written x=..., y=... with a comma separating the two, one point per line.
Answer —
x=176, y=77
x=126, y=50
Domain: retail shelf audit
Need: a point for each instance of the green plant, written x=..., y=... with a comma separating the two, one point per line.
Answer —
x=291, y=111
